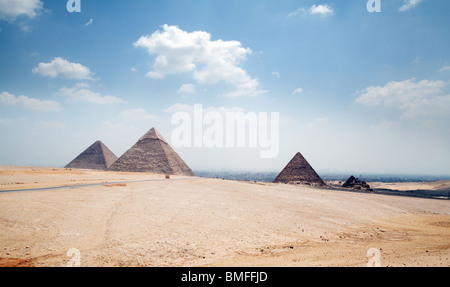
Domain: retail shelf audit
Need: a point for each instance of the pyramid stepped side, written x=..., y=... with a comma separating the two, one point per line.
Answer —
x=142, y=157
x=97, y=157
x=299, y=171
x=152, y=154
x=178, y=166
x=108, y=155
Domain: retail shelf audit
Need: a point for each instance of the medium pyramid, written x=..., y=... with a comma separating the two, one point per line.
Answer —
x=97, y=156
x=299, y=171
x=153, y=154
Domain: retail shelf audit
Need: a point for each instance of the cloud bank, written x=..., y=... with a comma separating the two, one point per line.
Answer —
x=321, y=10
x=210, y=62
x=412, y=97
x=11, y=9
x=28, y=103
x=409, y=4
x=83, y=94
x=62, y=68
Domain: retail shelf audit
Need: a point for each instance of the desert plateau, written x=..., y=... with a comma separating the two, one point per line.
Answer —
x=49, y=216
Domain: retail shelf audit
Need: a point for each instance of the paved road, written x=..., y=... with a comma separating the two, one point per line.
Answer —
x=86, y=185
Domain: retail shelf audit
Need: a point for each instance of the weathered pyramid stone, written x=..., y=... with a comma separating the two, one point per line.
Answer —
x=299, y=171
x=153, y=154
x=97, y=156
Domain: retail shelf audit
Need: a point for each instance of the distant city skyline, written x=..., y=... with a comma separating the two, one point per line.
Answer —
x=355, y=91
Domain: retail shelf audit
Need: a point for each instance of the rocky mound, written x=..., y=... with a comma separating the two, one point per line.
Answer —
x=355, y=183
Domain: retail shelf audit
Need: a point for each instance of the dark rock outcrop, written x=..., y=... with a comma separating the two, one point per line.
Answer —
x=355, y=183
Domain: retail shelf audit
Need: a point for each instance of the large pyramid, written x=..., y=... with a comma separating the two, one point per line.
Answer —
x=97, y=156
x=299, y=171
x=153, y=154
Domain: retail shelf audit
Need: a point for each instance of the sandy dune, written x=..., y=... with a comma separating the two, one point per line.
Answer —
x=145, y=220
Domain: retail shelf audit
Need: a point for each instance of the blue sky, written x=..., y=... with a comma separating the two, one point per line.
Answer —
x=356, y=91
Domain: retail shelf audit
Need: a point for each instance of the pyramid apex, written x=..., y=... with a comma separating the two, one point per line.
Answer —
x=153, y=134
x=101, y=144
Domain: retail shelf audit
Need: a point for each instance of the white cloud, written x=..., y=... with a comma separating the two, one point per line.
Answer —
x=187, y=89
x=445, y=68
x=322, y=10
x=28, y=103
x=59, y=67
x=90, y=22
x=302, y=11
x=82, y=85
x=210, y=62
x=276, y=75
x=409, y=4
x=24, y=27
x=78, y=94
x=11, y=9
x=298, y=91
x=133, y=69
x=412, y=97
x=137, y=115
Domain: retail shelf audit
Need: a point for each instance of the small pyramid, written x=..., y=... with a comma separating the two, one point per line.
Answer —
x=349, y=181
x=152, y=154
x=97, y=156
x=355, y=183
x=299, y=171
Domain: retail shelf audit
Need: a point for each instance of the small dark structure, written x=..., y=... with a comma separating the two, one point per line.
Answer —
x=355, y=183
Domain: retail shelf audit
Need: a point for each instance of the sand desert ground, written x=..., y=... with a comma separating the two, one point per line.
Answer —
x=142, y=219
